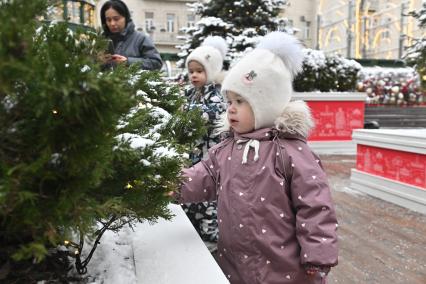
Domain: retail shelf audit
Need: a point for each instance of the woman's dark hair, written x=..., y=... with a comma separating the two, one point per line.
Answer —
x=117, y=5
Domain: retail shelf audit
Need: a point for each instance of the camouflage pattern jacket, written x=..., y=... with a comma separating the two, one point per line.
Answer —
x=209, y=100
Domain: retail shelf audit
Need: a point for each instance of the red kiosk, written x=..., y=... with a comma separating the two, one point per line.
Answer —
x=336, y=115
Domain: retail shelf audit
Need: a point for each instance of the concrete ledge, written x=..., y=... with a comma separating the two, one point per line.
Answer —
x=333, y=147
x=172, y=252
x=329, y=96
x=407, y=140
x=405, y=195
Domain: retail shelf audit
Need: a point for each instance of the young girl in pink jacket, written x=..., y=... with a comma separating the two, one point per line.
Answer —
x=276, y=216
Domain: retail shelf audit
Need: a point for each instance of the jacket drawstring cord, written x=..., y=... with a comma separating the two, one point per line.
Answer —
x=250, y=143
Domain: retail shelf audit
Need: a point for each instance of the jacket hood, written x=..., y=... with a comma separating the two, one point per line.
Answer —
x=294, y=120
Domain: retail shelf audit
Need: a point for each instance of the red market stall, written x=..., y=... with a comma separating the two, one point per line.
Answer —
x=336, y=115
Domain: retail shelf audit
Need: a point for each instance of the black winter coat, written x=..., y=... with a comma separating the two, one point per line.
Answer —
x=137, y=47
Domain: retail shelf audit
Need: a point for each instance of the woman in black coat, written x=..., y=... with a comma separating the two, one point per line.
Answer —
x=130, y=46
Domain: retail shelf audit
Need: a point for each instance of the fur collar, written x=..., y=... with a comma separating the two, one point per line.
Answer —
x=295, y=119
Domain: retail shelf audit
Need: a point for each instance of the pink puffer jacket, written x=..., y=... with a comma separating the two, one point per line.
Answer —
x=275, y=210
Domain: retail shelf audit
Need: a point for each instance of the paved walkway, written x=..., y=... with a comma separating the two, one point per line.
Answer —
x=379, y=242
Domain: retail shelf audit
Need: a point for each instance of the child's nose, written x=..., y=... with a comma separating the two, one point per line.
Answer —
x=231, y=108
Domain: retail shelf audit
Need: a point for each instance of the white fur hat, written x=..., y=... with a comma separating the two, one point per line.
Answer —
x=264, y=76
x=210, y=54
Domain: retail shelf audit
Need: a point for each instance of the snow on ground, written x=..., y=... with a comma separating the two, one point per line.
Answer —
x=113, y=260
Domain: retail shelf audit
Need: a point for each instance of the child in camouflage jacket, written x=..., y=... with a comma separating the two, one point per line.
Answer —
x=204, y=64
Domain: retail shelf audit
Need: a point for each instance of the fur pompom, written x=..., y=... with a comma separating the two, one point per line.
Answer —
x=285, y=46
x=295, y=119
x=217, y=42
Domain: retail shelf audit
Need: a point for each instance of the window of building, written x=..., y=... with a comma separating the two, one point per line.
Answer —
x=190, y=20
x=149, y=21
x=170, y=23
x=88, y=15
x=73, y=12
x=386, y=33
x=307, y=30
x=57, y=14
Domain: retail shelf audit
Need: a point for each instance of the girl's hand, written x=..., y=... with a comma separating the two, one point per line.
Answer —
x=174, y=196
x=311, y=270
x=117, y=58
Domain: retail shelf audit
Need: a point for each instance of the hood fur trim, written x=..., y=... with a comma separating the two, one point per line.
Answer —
x=296, y=118
x=220, y=77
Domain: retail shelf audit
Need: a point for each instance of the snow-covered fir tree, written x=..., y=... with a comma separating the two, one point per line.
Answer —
x=326, y=73
x=241, y=23
x=416, y=54
x=82, y=150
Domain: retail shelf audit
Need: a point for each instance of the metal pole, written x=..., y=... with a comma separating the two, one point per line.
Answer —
x=401, y=31
x=364, y=38
x=64, y=2
x=349, y=32
x=318, y=31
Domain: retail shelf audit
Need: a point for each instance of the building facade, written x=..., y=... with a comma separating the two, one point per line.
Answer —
x=163, y=19
x=362, y=29
x=301, y=15
x=376, y=29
